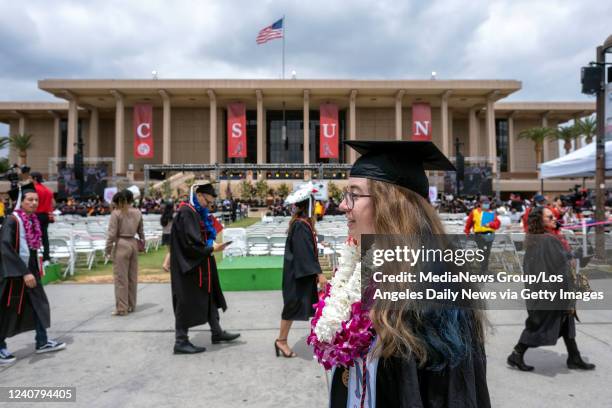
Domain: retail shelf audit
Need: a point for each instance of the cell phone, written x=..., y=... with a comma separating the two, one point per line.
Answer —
x=226, y=243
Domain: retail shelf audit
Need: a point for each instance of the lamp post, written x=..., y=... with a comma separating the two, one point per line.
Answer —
x=600, y=161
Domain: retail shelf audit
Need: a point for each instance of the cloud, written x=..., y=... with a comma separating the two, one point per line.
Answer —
x=542, y=43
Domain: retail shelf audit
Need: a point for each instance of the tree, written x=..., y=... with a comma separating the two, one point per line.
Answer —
x=283, y=190
x=587, y=127
x=4, y=141
x=21, y=142
x=334, y=192
x=247, y=192
x=261, y=190
x=567, y=134
x=5, y=165
x=538, y=136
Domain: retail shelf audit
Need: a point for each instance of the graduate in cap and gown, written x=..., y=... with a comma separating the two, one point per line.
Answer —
x=196, y=292
x=301, y=269
x=398, y=356
x=23, y=302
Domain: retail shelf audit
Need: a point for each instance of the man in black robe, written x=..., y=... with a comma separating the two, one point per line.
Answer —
x=196, y=292
x=23, y=302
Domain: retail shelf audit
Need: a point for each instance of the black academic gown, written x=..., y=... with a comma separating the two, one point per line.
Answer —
x=193, y=271
x=300, y=270
x=18, y=303
x=544, y=327
x=400, y=383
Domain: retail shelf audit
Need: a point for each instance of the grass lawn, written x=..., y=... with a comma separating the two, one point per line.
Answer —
x=149, y=264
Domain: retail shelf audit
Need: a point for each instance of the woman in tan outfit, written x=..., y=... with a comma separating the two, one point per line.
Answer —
x=125, y=223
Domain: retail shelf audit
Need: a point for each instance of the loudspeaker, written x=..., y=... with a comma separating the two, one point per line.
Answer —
x=592, y=79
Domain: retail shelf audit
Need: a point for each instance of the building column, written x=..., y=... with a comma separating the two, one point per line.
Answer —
x=444, y=122
x=306, y=126
x=119, y=131
x=578, y=141
x=451, y=139
x=545, y=147
x=73, y=124
x=474, y=131
x=352, y=124
x=22, y=123
x=94, y=126
x=213, y=126
x=491, y=141
x=511, y=147
x=260, y=128
x=398, y=113
x=166, y=143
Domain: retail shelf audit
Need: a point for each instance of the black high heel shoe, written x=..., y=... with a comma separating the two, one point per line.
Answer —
x=280, y=351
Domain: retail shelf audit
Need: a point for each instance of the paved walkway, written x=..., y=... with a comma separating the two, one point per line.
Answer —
x=128, y=361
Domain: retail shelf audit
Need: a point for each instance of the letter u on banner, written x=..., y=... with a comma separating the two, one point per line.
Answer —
x=421, y=121
x=143, y=131
x=236, y=130
x=328, y=138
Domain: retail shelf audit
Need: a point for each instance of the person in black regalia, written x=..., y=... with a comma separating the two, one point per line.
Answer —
x=426, y=357
x=547, y=251
x=23, y=302
x=196, y=292
x=301, y=269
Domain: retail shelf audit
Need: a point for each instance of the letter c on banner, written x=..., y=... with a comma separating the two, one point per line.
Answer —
x=141, y=132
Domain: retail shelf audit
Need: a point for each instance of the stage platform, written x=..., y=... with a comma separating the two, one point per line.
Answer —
x=247, y=273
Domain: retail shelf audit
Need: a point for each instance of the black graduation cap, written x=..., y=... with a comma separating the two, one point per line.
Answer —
x=26, y=188
x=402, y=163
x=205, y=187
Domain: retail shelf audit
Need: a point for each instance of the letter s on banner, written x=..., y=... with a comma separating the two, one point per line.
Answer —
x=328, y=138
x=421, y=122
x=236, y=130
x=143, y=131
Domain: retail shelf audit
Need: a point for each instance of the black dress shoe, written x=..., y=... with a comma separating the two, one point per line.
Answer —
x=577, y=363
x=187, y=348
x=225, y=336
x=516, y=360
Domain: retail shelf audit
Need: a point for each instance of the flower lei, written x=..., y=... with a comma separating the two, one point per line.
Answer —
x=32, y=228
x=340, y=330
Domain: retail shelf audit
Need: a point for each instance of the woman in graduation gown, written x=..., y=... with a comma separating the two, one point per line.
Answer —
x=301, y=269
x=547, y=252
x=431, y=357
x=23, y=302
x=196, y=291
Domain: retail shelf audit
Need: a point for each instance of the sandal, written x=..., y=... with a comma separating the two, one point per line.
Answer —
x=280, y=351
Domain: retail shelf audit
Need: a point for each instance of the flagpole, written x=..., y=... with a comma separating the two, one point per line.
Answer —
x=284, y=31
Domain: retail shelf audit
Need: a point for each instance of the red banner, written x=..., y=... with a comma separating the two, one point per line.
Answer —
x=236, y=130
x=143, y=131
x=421, y=122
x=329, y=131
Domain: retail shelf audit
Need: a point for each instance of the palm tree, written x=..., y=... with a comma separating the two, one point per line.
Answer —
x=537, y=135
x=21, y=142
x=4, y=140
x=587, y=127
x=567, y=134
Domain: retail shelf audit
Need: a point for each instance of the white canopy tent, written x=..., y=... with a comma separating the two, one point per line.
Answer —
x=579, y=163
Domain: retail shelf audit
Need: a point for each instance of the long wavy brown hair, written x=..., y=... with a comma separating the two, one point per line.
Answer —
x=400, y=211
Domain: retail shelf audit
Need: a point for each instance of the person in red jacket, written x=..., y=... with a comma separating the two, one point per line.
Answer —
x=44, y=211
x=483, y=222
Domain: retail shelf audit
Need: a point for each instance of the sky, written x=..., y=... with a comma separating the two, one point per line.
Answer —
x=541, y=43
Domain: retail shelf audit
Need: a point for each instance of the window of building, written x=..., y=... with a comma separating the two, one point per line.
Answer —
x=501, y=140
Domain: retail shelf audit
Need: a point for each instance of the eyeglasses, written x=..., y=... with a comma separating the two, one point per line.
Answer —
x=349, y=197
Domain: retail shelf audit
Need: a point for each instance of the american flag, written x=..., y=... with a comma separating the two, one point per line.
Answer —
x=271, y=32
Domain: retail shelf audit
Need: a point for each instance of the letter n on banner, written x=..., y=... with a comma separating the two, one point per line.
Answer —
x=421, y=121
x=328, y=138
x=236, y=130
x=143, y=131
